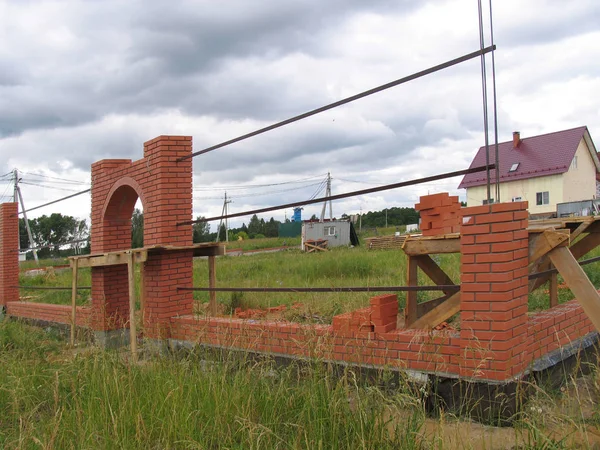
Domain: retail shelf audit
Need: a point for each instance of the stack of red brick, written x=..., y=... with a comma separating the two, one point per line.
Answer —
x=440, y=214
x=380, y=317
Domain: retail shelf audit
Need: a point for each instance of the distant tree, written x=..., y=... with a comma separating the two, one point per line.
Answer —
x=137, y=229
x=241, y=234
x=55, y=231
x=201, y=231
x=272, y=228
x=254, y=226
x=314, y=217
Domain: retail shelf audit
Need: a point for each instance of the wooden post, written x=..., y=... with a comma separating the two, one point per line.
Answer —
x=412, y=279
x=74, y=264
x=553, y=290
x=212, y=283
x=143, y=293
x=132, y=330
x=577, y=280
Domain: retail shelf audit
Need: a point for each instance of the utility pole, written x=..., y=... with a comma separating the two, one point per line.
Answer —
x=386, y=217
x=227, y=202
x=20, y=196
x=360, y=220
x=327, y=194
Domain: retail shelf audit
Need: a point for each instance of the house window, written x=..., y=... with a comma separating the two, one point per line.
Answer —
x=542, y=198
x=485, y=202
x=574, y=162
x=514, y=167
x=328, y=231
x=516, y=199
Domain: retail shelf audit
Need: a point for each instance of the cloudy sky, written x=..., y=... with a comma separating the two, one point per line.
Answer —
x=85, y=80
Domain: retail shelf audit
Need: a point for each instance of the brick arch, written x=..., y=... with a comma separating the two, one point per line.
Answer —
x=165, y=188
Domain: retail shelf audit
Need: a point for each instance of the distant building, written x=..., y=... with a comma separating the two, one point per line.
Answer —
x=544, y=170
x=336, y=232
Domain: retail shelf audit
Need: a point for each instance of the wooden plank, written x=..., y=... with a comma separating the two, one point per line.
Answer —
x=438, y=314
x=73, y=301
x=416, y=246
x=579, y=249
x=412, y=279
x=132, y=328
x=425, y=307
x=212, y=282
x=553, y=290
x=112, y=259
x=433, y=271
x=580, y=229
x=543, y=243
x=580, y=285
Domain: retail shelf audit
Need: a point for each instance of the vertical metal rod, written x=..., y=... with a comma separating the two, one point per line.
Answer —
x=497, y=156
x=74, y=266
x=485, y=102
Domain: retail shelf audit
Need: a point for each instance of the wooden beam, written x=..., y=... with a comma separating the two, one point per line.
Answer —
x=132, y=329
x=412, y=279
x=73, y=301
x=212, y=283
x=437, y=315
x=143, y=294
x=433, y=271
x=553, y=290
x=543, y=243
x=112, y=258
x=425, y=307
x=424, y=246
x=580, y=285
x=580, y=229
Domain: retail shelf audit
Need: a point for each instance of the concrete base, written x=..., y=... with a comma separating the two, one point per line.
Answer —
x=112, y=339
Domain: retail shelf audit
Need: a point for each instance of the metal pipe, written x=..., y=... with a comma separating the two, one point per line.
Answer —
x=446, y=287
x=346, y=195
x=375, y=90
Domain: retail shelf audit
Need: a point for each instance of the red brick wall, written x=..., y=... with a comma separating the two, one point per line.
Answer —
x=557, y=327
x=406, y=349
x=50, y=313
x=494, y=290
x=165, y=188
x=9, y=252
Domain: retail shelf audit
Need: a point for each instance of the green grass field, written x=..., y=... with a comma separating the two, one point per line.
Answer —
x=293, y=268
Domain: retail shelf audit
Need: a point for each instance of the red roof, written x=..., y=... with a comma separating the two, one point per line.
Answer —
x=537, y=156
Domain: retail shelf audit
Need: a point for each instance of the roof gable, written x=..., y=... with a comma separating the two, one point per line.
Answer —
x=536, y=156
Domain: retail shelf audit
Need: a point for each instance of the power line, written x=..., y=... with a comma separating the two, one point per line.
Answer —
x=56, y=201
x=346, y=195
x=375, y=90
x=66, y=180
x=45, y=186
x=250, y=186
x=259, y=193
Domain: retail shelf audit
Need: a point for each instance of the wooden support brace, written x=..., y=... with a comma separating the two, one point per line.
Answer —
x=545, y=242
x=212, y=283
x=433, y=271
x=437, y=315
x=553, y=290
x=412, y=279
x=421, y=246
x=425, y=307
x=577, y=280
x=143, y=293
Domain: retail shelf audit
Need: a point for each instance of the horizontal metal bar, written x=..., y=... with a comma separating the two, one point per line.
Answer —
x=56, y=201
x=583, y=262
x=448, y=287
x=344, y=101
x=385, y=187
x=52, y=288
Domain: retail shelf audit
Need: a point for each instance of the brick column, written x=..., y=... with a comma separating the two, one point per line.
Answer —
x=9, y=253
x=494, y=291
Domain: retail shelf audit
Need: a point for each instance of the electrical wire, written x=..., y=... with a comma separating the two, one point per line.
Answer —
x=45, y=186
x=58, y=200
x=258, y=193
x=64, y=180
x=250, y=186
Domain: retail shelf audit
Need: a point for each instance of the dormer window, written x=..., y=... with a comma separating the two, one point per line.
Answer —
x=514, y=167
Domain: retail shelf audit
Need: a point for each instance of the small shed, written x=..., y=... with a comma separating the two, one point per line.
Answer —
x=336, y=232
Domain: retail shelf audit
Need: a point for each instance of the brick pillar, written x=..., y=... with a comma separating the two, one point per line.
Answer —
x=171, y=204
x=9, y=253
x=494, y=291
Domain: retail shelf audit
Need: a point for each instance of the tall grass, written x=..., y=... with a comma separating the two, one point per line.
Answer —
x=53, y=399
